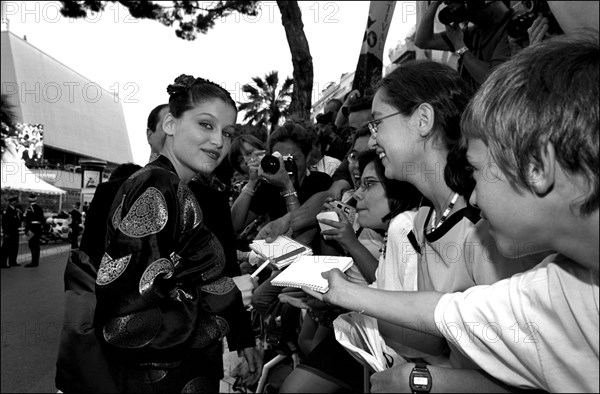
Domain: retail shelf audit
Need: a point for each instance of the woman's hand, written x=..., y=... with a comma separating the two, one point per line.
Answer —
x=246, y=284
x=255, y=364
x=275, y=228
x=456, y=36
x=338, y=288
x=343, y=233
x=392, y=380
x=299, y=299
x=253, y=163
x=537, y=31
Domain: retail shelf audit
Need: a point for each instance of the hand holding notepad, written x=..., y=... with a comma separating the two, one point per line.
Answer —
x=307, y=270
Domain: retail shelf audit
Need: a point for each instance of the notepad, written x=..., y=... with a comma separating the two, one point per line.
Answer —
x=307, y=272
x=282, y=252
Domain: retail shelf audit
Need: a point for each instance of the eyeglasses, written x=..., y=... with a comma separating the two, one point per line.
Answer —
x=373, y=124
x=365, y=184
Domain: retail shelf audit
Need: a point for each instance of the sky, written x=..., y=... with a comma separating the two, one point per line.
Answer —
x=139, y=58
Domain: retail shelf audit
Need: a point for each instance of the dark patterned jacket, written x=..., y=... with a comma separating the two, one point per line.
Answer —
x=160, y=288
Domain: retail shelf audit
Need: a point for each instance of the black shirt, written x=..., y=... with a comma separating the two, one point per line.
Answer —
x=268, y=200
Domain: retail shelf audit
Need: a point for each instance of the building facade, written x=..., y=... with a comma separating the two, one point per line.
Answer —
x=82, y=122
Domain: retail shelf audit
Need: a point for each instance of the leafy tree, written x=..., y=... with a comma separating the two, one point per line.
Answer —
x=192, y=17
x=267, y=104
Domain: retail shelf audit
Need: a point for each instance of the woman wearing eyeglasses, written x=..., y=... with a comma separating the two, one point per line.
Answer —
x=416, y=129
x=384, y=205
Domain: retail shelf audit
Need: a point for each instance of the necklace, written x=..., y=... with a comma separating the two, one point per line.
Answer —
x=444, y=215
x=384, y=245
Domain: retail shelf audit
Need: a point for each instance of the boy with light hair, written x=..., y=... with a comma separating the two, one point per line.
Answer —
x=532, y=136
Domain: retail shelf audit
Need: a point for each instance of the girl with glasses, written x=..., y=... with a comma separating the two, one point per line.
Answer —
x=384, y=205
x=416, y=131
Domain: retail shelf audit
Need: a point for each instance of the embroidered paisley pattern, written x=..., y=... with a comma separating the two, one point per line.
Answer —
x=148, y=215
x=197, y=385
x=154, y=375
x=215, y=246
x=220, y=286
x=191, y=214
x=116, y=219
x=110, y=269
x=209, y=329
x=160, y=266
x=133, y=331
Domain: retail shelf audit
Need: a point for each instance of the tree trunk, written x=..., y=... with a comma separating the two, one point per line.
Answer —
x=291, y=18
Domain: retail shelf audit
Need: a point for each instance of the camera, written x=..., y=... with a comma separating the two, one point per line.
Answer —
x=521, y=21
x=326, y=118
x=270, y=164
x=454, y=12
x=348, y=210
x=458, y=11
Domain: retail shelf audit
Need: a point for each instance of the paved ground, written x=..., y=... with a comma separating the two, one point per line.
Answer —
x=32, y=316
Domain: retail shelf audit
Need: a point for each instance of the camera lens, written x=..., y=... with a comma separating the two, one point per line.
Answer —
x=518, y=25
x=454, y=13
x=270, y=164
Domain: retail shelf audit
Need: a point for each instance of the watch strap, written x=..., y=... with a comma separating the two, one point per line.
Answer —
x=461, y=51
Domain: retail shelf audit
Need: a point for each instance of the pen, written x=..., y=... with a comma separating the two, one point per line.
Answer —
x=259, y=269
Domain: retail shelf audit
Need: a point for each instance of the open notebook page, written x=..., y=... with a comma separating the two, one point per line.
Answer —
x=306, y=271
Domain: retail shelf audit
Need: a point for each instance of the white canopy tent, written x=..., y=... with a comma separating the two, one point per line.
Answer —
x=16, y=176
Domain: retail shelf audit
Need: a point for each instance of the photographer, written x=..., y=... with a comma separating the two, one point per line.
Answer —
x=278, y=193
x=480, y=47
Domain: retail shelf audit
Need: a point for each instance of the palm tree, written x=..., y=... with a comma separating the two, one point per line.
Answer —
x=266, y=103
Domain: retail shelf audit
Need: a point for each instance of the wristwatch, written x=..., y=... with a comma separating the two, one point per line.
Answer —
x=461, y=51
x=420, y=379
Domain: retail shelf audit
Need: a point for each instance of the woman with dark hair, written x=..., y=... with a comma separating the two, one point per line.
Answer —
x=280, y=193
x=163, y=302
x=243, y=148
x=244, y=156
x=384, y=205
x=416, y=128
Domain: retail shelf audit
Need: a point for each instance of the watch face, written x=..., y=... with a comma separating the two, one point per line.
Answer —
x=420, y=381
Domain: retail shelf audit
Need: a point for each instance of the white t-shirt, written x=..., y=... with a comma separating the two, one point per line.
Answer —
x=554, y=345
x=327, y=164
x=397, y=269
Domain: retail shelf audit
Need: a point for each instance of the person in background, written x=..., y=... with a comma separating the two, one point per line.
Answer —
x=317, y=160
x=244, y=155
x=481, y=46
x=383, y=205
x=303, y=218
x=34, y=219
x=154, y=132
x=81, y=364
x=330, y=112
x=280, y=193
x=92, y=239
x=75, y=225
x=11, y=221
